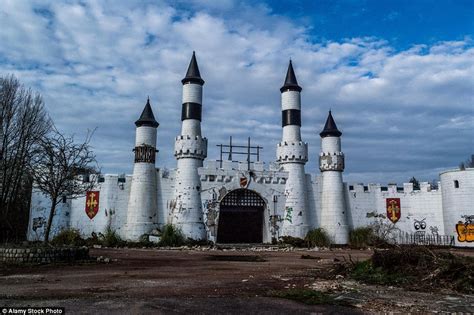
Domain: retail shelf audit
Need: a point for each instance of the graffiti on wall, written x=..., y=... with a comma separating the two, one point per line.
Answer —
x=92, y=203
x=434, y=230
x=289, y=214
x=38, y=223
x=393, y=209
x=420, y=226
x=465, y=230
x=211, y=208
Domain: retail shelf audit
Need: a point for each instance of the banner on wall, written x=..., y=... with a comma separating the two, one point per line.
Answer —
x=393, y=209
x=92, y=203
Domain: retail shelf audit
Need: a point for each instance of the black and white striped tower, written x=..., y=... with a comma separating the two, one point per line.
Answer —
x=292, y=154
x=190, y=151
x=142, y=204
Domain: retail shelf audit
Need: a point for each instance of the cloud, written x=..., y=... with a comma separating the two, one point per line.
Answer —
x=401, y=112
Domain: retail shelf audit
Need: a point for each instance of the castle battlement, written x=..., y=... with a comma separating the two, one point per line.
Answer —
x=392, y=188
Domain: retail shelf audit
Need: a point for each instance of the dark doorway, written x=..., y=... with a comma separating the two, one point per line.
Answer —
x=241, y=217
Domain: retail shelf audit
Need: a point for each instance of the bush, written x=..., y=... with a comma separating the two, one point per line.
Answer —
x=68, y=237
x=362, y=237
x=171, y=236
x=417, y=267
x=317, y=237
x=110, y=238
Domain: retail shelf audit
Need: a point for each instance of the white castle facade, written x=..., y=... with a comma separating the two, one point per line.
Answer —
x=244, y=202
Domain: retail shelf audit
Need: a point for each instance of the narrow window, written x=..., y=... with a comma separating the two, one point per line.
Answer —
x=456, y=184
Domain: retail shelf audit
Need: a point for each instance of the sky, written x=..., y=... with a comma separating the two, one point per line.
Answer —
x=397, y=75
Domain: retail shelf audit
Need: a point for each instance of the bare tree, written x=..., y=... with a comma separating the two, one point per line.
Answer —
x=470, y=162
x=57, y=166
x=23, y=123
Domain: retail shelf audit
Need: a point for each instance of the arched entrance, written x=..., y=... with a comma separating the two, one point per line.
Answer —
x=241, y=217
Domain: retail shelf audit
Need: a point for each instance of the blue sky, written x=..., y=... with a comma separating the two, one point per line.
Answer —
x=398, y=75
x=402, y=23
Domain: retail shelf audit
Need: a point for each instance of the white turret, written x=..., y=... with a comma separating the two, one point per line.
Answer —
x=331, y=164
x=292, y=154
x=190, y=151
x=142, y=205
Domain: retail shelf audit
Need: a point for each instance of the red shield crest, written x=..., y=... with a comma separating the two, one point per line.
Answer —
x=244, y=182
x=92, y=203
x=393, y=209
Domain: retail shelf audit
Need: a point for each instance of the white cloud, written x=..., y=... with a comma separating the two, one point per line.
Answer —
x=96, y=62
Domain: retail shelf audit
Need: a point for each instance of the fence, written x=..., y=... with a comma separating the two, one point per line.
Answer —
x=422, y=239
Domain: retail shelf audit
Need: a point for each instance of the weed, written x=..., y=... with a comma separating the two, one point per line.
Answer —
x=68, y=237
x=110, y=238
x=317, y=237
x=417, y=267
x=171, y=236
x=366, y=272
x=362, y=237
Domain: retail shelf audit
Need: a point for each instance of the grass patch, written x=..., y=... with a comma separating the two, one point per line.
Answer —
x=317, y=237
x=365, y=271
x=364, y=237
x=110, y=238
x=68, y=237
x=361, y=237
x=307, y=296
x=172, y=236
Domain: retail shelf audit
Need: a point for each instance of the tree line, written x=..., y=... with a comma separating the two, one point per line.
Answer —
x=34, y=154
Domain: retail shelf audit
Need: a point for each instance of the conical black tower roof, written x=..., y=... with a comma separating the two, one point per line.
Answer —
x=290, y=81
x=193, y=75
x=147, y=118
x=330, y=128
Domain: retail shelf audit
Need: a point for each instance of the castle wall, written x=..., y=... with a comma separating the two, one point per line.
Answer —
x=166, y=188
x=367, y=205
x=441, y=210
x=113, y=201
x=313, y=186
x=39, y=214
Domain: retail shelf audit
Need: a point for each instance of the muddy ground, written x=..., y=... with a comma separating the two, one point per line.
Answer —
x=142, y=281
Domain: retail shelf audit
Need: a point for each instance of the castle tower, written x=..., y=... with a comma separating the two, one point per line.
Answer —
x=331, y=164
x=142, y=205
x=190, y=151
x=292, y=154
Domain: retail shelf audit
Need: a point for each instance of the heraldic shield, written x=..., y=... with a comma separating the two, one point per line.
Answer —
x=92, y=203
x=393, y=209
x=244, y=180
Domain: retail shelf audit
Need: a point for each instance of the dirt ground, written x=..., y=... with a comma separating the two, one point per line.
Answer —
x=202, y=281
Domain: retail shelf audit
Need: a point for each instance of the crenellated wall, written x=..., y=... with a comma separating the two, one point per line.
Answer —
x=425, y=211
x=367, y=204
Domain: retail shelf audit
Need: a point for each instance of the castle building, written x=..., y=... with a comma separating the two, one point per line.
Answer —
x=228, y=201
